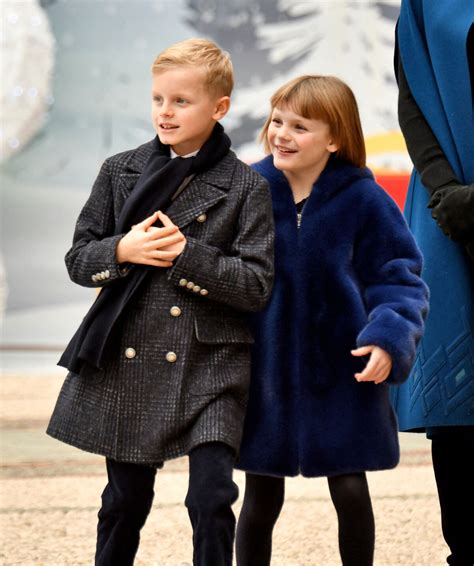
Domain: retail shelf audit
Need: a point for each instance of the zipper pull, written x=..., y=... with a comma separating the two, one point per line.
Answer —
x=298, y=219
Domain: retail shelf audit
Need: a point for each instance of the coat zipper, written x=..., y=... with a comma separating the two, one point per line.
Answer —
x=299, y=220
x=299, y=216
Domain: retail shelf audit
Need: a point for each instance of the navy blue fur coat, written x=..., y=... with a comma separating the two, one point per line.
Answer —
x=348, y=277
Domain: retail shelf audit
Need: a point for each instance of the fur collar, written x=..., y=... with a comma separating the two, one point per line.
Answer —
x=336, y=176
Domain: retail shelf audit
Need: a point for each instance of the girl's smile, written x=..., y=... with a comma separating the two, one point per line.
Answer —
x=284, y=150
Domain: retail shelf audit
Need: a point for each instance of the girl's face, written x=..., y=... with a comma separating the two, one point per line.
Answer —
x=298, y=144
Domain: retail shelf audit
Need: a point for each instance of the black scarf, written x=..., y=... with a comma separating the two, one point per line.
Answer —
x=155, y=187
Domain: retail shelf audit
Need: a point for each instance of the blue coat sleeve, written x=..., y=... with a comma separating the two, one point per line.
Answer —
x=388, y=263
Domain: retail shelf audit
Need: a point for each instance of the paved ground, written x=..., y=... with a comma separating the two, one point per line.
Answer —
x=50, y=495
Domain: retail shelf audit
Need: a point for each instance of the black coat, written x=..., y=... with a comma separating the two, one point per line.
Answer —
x=179, y=373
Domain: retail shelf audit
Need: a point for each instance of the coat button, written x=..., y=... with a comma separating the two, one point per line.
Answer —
x=196, y=288
x=175, y=311
x=204, y=292
x=201, y=218
x=94, y=278
x=190, y=285
x=171, y=357
x=107, y=273
x=130, y=353
x=183, y=282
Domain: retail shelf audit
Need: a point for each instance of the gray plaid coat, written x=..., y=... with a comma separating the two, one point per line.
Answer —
x=180, y=370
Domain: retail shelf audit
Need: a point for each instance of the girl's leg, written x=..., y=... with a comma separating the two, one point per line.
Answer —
x=351, y=498
x=263, y=500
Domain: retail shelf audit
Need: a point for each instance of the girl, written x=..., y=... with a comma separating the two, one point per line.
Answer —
x=344, y=319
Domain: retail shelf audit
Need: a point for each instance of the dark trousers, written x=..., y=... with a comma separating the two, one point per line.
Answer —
x=453, y=462
x=128, y=496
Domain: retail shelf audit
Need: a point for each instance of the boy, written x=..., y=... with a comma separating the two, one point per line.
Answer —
x=160, y=365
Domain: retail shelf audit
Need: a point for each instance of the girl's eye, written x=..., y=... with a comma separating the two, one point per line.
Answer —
x=181, y=101
x=276, y=121
x=157, y=99
x=300, y=127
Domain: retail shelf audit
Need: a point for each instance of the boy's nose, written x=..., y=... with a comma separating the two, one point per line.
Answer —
x=165, y=110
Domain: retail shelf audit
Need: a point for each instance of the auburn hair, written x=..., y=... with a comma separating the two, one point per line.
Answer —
x=325, y=98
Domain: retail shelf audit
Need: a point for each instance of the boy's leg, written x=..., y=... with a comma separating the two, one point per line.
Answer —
x=209, y=499
x=263, y=501
x=351, y=498
x=126, y=502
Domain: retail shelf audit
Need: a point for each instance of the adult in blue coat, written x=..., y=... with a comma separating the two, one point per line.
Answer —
x=436, y=79
x=346, y=287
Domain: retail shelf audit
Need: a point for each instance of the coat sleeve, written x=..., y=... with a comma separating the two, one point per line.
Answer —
x=388, y=264
x=91, y=261
x=243, y=277
x=453, y=203
x=423, y=147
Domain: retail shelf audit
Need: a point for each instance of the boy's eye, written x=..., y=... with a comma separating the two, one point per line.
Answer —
x=181, y=100
x=157, y=99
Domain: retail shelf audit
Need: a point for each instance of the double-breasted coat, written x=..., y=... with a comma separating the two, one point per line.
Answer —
x=178, y=374
x=348, y=277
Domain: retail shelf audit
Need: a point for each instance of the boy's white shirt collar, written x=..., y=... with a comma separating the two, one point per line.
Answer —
x=174, y=154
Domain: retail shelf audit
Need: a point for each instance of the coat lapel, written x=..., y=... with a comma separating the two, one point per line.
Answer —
x=133, y=167
x=195, y=199
x=204, y=191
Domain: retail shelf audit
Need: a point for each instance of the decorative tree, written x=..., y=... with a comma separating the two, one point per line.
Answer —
x=272, y=42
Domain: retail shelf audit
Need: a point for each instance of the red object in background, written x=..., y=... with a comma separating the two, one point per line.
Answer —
x=396, y=186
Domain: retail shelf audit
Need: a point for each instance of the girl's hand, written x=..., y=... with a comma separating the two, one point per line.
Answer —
x=147, y=245
x=378, y=367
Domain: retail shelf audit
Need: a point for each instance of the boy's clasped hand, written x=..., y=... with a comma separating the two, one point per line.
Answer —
x=148, y=245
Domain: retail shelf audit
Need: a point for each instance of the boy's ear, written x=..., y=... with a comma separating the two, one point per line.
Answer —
x=222, y=107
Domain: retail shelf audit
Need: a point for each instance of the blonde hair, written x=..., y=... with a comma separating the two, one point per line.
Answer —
x=325, y=98
x=198, y=52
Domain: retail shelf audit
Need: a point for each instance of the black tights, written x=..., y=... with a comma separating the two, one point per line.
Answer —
x=263, y=501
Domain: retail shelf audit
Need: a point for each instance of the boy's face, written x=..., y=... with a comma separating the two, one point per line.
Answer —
x=184, y=111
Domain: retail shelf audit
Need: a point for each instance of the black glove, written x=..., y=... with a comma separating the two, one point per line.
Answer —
x=453, y=209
